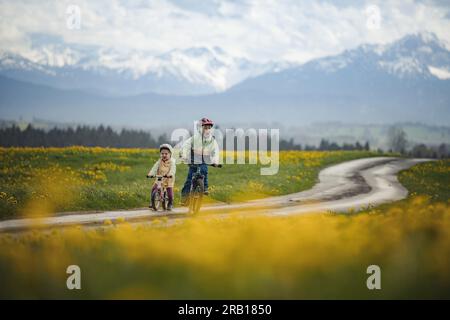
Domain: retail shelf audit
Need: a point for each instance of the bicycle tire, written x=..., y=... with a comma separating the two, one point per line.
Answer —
x=165, y=202
x=196, y=198
x=156, y=200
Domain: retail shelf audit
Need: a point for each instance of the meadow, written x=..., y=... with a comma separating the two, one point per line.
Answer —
x=42, y=181
x=430, y=179
x=316, y=255
x=313, y=256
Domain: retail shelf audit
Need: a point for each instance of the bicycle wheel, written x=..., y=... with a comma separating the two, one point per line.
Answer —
x=191, y=202
x=196, y=199
x=165, y=201
x=198, y=203
x=156, y=200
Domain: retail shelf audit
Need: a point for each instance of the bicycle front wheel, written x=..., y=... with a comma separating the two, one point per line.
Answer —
x=196, y=200
x=156, y=200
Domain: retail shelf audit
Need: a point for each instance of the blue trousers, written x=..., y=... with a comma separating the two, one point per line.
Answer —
x=193, y=169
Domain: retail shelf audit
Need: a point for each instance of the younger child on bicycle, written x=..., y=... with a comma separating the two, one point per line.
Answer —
x=165, y=166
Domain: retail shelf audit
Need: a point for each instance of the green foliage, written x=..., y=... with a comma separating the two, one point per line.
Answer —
x=106, y=179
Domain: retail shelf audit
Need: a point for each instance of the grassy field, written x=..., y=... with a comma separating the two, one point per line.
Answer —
x=429, y=179
x=308, y=256
x=40, y=181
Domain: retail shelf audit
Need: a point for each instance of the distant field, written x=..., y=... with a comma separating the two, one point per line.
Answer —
x=39, y=181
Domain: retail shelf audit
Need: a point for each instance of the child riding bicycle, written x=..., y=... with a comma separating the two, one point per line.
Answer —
x=166, y=167
x=200, y=150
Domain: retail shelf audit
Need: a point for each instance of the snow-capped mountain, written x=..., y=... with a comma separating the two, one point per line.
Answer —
x=420, y=55
x=202, y=70
x=403, y=81
x=192, y=71
x=412, y=58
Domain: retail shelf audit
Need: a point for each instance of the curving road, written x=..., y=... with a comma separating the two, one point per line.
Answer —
x=354, y=185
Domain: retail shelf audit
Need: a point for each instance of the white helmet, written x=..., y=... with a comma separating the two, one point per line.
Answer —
x=166, y=146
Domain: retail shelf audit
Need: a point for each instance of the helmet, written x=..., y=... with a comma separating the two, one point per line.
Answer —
x=206, y=121
x=167, y=147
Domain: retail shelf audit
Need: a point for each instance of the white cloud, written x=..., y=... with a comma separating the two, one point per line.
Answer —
x=259, y=30
x=442, y=74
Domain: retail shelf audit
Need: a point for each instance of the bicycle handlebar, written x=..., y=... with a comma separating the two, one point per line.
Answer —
x=158, y=176
x=186, y=162
x=166, y=176
x=209, y=165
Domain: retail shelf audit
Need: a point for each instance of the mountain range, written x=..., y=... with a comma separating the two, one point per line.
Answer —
x=193, y=71
x=407, y=80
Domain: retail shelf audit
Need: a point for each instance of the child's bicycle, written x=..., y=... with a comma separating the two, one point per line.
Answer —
x=197, y=189
x=159, y=195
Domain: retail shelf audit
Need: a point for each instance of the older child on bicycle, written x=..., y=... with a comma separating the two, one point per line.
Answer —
x=165, y=166
x=201, y=149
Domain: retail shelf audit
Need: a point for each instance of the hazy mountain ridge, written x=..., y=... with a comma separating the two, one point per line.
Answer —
x=369, y=84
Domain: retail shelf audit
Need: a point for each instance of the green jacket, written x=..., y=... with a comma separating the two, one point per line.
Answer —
x=205, y=150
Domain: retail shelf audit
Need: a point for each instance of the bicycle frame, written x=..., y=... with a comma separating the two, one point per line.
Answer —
x=159, y=185
x=159, y=195
x=197, y=178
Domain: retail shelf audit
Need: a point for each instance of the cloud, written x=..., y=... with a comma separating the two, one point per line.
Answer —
x=259, y=30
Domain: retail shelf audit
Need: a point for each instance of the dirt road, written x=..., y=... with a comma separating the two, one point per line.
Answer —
x=354, y=185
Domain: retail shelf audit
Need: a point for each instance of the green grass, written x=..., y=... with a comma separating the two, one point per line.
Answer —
x=90, y=179
x=430, y=179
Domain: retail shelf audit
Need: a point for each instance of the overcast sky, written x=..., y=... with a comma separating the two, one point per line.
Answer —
x=258, y=30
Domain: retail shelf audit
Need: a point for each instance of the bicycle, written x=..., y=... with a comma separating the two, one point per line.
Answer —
x=159, y=195
x=197, y=190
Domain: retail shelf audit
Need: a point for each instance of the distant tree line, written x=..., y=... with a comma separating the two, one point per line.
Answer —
x=423, y=151
x=81, y=136
x=398, y=142
x=102, y=136
x=105, y=136
x=324, y=145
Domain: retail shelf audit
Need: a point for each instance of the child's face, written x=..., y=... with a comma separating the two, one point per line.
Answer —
x=206, y=130
x=165, y=155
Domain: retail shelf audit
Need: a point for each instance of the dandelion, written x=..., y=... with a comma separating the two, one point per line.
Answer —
x=243, y=257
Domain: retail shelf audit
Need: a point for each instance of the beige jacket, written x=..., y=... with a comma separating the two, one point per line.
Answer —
x=162, y=168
